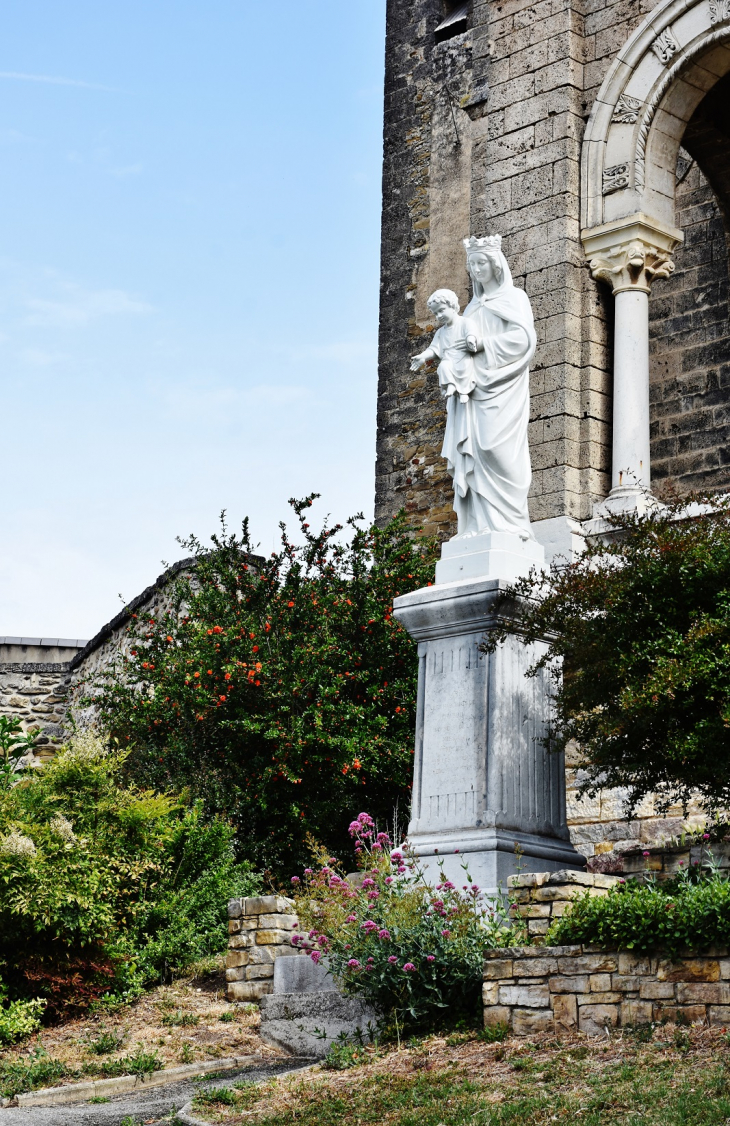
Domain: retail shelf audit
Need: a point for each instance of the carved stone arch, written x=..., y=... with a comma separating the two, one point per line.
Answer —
x=636, y=125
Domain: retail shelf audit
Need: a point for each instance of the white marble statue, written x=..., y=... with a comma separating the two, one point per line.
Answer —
x=485, y=443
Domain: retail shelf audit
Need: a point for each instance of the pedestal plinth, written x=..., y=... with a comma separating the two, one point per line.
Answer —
x=485, y=788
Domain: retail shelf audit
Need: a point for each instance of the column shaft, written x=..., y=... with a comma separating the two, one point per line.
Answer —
x=631, y=458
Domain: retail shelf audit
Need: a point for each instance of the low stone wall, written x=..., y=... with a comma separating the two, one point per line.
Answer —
x=581, y=988
x=541, y=897
x=665, y=862
x=260, y=930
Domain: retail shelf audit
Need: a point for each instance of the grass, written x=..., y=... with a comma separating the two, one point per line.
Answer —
x=632, y=1080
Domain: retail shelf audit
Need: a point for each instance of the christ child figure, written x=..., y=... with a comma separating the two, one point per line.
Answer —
x=454, y=344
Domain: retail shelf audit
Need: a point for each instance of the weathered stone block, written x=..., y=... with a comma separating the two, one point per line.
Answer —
x=527, y=1021
x=633, y=964
x=562, y=983
x=636, y=1012
x=237, y=973
x=239, y=941
x=656, y=990
x=565, y=1010
x=625, y=983
x=527, y=996
x=234, y=908
x=589, y=964
x=499, y=968
x=708, y=993
x=497, y=1014
x=718, y=1015
x=255, y=972
x=535, y=967
x=607, y=998
x=490, y=993
x=266, y=905
x=595, y=1019
x=689, y=969
x=237, y=958
x=278, y=922
x=538, y=927
x=272, y=938
x=248, y=990
x=234, y=925
x=600, y=983
x=267, y=955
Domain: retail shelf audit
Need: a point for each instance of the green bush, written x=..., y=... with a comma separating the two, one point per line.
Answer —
x=645, y=918
x=641, y=629
x=281, y=691
x=105, y=886
x=415, y=953
x=19, y=1019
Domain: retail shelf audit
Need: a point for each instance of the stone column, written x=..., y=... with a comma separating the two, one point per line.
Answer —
x=629, y=254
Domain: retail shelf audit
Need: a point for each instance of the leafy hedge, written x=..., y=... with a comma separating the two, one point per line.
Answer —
x=105, y=887
x=650, y=918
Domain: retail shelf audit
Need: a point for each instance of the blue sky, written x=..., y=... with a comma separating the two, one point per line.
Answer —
x=189, y=243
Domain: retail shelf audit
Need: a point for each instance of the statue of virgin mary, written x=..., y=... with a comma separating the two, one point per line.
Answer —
x=485, y=443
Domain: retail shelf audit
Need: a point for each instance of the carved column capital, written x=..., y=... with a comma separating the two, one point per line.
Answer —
x=631, y=252
x=631, y=265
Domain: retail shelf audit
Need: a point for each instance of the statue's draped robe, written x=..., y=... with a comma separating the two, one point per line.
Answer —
x=485, y=443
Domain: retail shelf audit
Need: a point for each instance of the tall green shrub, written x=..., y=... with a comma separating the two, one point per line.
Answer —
x=641, y=628
x=281, y=691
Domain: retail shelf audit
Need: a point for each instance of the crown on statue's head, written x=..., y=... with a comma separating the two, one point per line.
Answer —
x=491, y=242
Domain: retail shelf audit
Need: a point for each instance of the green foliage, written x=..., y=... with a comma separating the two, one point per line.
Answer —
x=39, y=1070
x=649, y=917
x=411, y=951
x=281, y=690
x=642, y=626
x=19, y=1019
x=106, y=1042
x=104, y=885
x=216, y=1096
x=14, y=744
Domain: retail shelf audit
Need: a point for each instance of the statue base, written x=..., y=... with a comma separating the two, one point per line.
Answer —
x=486, y=789
x=488, y=555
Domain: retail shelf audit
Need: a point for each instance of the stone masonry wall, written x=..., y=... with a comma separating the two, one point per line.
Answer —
x=260, y=931
x=581, y=988
x=37, y=694
x=539, y=898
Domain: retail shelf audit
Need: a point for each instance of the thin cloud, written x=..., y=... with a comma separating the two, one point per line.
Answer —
x=79, y=306
x=52, y=80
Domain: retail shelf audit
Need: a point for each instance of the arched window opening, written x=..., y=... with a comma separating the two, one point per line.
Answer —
x=455, y=22
x=689, y=315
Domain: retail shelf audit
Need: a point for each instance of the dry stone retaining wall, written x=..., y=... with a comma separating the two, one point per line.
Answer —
x=581, y=988
x=260, y=931
x=541, y=897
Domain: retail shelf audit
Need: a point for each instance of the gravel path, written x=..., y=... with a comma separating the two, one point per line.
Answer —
x=151, y=1107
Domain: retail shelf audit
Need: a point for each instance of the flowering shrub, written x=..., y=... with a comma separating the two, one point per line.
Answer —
x=407, y=948
x=281, y=691
x=689, y=913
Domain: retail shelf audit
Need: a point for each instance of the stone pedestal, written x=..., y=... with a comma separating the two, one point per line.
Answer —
x=485, y=789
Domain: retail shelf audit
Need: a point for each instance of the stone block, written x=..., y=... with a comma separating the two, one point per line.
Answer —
x=578, y=983
x=295, y=1021
x=689, y=970
x=632, y=964
x=272, y=938
x=528, y=880
x=235, y=908
x=239, y=941
x=607, y=998
x=718, y=1015
x=266, y=905
x=526, y=996
x=565, y=1010
x=565, y=892
x=534, y=910
x=626, y=983
x=237, y=973
x=656, y=990
x=600, y=983
x=707, y=993
x=298, y=974
x=278, y=922
x=589, y=964
x=236, y=958
x=535, y=967
x=499, y=968
x=248, y=990
x=234, y=926
x=253, y=973
x=497, y=1014
x=593, y=1020
x=636, y=1012
x=537, y=927
x=267, y=955
x=490, y=993
x=525, y=1022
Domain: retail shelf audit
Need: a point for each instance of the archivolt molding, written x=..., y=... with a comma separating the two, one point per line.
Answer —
x=630, y=148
